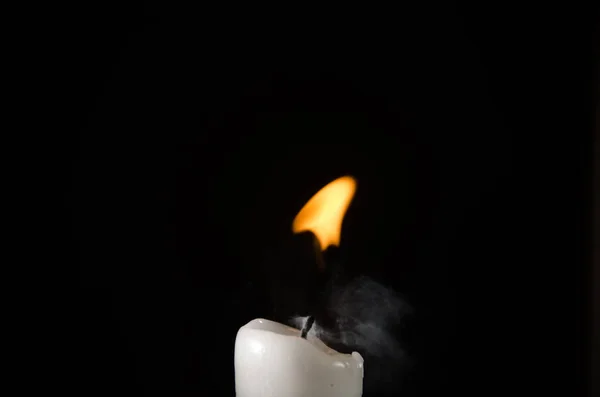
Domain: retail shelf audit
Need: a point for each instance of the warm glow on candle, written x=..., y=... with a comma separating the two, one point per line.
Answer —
x=324, y=212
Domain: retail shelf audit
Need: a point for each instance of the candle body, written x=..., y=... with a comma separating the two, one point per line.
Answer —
x=272, y=360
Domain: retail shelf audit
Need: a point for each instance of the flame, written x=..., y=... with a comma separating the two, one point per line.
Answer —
x=324, y=212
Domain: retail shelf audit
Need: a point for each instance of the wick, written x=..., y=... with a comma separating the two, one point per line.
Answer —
x=321, y=264
x=307, y=325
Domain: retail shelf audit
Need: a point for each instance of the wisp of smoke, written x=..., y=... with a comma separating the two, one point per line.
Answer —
x=366, y=316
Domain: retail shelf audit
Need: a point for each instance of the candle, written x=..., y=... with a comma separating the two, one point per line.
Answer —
x=275, y=360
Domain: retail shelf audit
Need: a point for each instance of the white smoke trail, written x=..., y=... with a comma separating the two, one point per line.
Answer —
x=366, y=314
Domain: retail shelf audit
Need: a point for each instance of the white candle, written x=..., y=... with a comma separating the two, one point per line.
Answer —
x=273, y=360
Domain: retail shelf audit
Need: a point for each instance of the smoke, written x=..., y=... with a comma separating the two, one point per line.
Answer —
x=366, y=318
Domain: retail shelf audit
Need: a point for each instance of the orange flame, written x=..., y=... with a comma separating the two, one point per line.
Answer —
x=324, y=212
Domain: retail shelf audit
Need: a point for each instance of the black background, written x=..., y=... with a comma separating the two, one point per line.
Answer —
x=201, y=138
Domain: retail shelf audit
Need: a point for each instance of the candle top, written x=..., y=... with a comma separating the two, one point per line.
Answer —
x=271, y=326
x=273, y=360
x=282, y=329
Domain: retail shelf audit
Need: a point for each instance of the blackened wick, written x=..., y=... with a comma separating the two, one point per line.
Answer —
x=307, y=325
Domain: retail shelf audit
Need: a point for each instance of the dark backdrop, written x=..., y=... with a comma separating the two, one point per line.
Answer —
x=199, y=142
